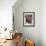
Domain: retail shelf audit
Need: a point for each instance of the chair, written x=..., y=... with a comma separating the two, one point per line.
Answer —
x=18, y=39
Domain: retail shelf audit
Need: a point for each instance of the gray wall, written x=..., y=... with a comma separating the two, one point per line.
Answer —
x=32, y=33
x=43, y=22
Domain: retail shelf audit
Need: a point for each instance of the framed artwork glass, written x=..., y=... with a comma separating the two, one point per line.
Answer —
x=28, y=19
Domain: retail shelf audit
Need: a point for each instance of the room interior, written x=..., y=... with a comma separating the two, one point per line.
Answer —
x=13, y=31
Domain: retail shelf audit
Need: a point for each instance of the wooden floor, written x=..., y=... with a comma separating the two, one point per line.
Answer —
x=9, y=43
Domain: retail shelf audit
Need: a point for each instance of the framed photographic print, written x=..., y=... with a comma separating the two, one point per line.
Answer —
x=29, y=19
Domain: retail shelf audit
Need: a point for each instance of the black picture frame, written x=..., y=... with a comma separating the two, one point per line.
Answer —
x=28, y=19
